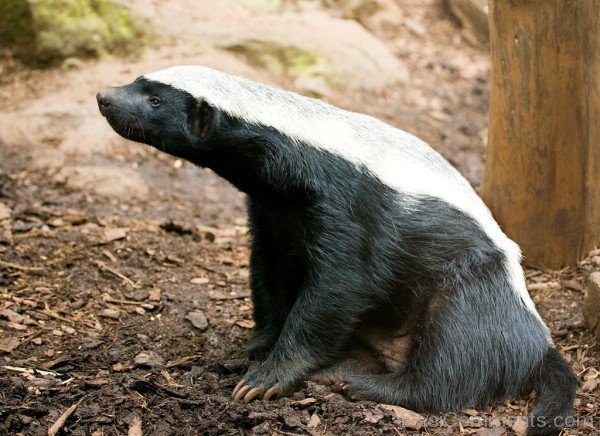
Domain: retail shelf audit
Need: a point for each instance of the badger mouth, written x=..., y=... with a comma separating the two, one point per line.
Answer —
x=129, y=127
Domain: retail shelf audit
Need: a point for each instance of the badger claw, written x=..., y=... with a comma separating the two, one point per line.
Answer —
x=245, y=392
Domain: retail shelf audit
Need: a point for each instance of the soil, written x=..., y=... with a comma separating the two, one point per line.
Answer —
x=134, y=309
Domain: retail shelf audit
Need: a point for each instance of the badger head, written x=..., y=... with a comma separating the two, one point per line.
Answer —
x=159, y=114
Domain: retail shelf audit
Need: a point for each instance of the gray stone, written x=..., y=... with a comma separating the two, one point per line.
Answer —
x=149, y=359
x=198, y=319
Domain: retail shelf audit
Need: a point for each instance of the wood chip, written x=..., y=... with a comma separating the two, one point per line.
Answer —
x=52, y=431
x=218, y=295
x=532, y=287
x=410, y=419
x=110, y=313
x=105, y=267
x=5, y=211
x=305, y=402
x=110, y=256
x=590, y=385
x=314, y=421
x=114, y=234
x=30, y=370
x=182, y=360
x=107, y=298
x=520, y=426
x=12, y=316
x=9, y=344
x=200, y=280
x=135, y=427
x=154, y=295
x=19, y=267
x=245, y=324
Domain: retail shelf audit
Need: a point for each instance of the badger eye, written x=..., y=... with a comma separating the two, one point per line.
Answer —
x=155, y=101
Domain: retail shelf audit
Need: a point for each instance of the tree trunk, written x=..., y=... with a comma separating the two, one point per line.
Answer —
x=542, y=178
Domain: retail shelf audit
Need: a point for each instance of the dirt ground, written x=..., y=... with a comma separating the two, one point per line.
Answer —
x=134, y=308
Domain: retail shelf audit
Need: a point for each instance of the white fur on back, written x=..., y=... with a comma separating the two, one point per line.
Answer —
x=397, y=158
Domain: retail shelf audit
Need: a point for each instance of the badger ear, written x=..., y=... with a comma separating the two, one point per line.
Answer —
x=204, y=120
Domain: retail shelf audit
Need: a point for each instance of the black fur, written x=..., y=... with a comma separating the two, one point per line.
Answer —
x=333, y=247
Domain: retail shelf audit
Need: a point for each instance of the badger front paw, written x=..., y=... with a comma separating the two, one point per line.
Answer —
x=264, y=382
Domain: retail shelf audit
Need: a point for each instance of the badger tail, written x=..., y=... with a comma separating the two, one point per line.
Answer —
x=555, y=384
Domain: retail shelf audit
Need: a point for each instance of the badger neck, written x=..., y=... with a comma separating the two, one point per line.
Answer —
x=259, y=160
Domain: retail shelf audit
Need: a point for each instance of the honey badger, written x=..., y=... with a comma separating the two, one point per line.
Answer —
x=355, y=227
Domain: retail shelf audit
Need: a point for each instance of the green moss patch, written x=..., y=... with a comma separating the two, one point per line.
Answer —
x=42, y=32
x=288, y=61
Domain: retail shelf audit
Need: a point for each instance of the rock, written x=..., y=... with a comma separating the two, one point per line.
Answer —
x=299, y=47
x=411, y=420
x=379, y=16
x=591, y=304
x=148, y=359
x=120, y=183
x=198, y=319
x=473, y=15
x=45, y=31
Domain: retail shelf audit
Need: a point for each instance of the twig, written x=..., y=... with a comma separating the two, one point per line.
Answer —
x=63, y=418
x=30, y=370
x=181, y=361
x=51, y=314
x=104, y=266
x=131, y=302
x=29, y=338
x=19, y=267
x=161, y=387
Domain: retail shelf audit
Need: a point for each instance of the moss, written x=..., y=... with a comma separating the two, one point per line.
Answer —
x=288, y=61
x=46, y=31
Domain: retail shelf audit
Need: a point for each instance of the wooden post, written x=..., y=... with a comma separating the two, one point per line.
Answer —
x=542, y=179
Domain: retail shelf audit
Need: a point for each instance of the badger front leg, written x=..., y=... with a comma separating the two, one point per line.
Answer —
x=276, y=275
x=319, y=324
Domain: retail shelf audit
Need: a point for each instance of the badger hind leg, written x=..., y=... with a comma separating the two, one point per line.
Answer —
x=358, y=360
x=475, y=342
x=374, y=352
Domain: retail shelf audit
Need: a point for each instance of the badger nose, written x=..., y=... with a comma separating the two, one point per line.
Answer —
x=103, y=102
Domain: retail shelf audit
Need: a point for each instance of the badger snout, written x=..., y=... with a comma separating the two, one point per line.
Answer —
x=104, y=102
